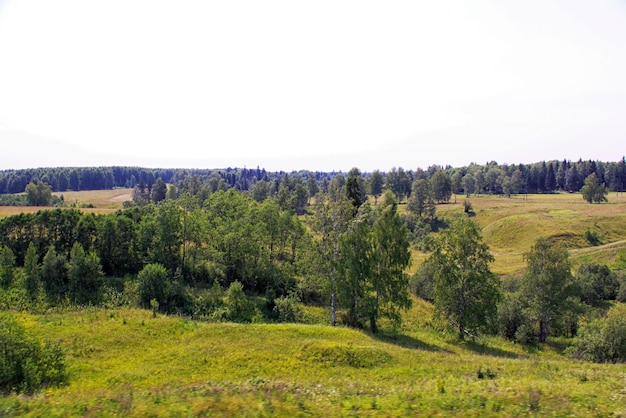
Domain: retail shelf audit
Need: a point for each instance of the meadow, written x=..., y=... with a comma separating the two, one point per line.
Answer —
x=99, y=202
x=125, y=362
x=511, y=225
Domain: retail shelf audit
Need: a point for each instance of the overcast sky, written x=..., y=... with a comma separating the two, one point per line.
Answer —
x=317, y=85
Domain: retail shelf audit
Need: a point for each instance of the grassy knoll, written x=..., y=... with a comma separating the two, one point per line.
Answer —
x=511, y=225
x=124, y=362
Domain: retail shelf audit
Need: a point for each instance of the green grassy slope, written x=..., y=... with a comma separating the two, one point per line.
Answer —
x=124, y=362
x=511, y=225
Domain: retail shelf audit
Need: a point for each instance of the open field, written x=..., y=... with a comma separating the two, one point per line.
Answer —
x=511, y=225
x=103, y=201
x=124, y=362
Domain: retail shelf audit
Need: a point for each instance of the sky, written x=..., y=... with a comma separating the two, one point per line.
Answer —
x=315, y=85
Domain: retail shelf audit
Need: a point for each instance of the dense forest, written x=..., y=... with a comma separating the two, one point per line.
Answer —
x=491, y=178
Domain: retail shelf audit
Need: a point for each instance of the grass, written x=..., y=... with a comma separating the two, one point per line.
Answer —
x=124, y=362
x=103, y=201
x=511, y=225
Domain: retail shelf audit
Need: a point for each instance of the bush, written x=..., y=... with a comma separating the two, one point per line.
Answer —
x=237, y=303
x=27, y=364
x=287, y=309
x=154, y=283
x=421, y=284
x=596, y=283
x=603, y=340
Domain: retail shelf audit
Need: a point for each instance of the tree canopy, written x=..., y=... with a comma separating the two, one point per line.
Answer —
x=466, y=292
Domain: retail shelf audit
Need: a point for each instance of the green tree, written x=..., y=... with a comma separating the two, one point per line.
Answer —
x=355, y=188
x=38, y=193
x=388, y=290
x=421, y=201
x=260, y=190
x=466, y=292
x=330, y=222
x=356, y=264
x=159, y=191
x=7, y=265
x=312, y=187
x=172, y=192
x=441, y=186
x=593, y=191
x=54, y=274
x=468, y=184
x=376, y=184
x=33, y=271
x=84, y=275
x=547, y=284
x=154, y=284
x=596, y=283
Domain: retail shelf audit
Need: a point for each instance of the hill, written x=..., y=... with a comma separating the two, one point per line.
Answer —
x=124, y=362
x=592, y=233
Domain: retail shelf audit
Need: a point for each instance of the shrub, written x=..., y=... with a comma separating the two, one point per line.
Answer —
x=603, y=340
x=287, y=308
x=237, y=303
x=27, y=364
x=154, y=283
x=421, y=284
x=596, y=283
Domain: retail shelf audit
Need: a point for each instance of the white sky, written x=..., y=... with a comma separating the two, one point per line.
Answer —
x=317, y=85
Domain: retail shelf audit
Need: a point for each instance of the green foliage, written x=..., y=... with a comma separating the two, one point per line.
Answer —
x=596, y=283
x=84, y=276
x=237, y=303
x=154, y=284
x=466, y=292
x=341, y=354
x=547, y=284
x=592, y=237
x=421, y=201
x=441, y=186
x=467, y=207
x=514, y=323
x=603, y=340
x=32, y=271
x=593, y=191
x=374, y=256
x=26, y=363
x=38, y=193
x=54, y=274
x=422, y=282
x=7, y=265
x=287, y=308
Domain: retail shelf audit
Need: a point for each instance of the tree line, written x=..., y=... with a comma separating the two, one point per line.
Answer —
x=490, y=178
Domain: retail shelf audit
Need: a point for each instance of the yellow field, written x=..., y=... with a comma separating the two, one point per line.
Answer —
x=104, y=201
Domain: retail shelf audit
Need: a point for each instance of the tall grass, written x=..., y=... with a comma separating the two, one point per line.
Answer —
x=124, y=362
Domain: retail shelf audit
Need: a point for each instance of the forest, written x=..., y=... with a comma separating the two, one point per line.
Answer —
x=491, y=178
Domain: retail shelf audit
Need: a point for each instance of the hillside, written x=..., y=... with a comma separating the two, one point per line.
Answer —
x=124, y=362
x=511, y=225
